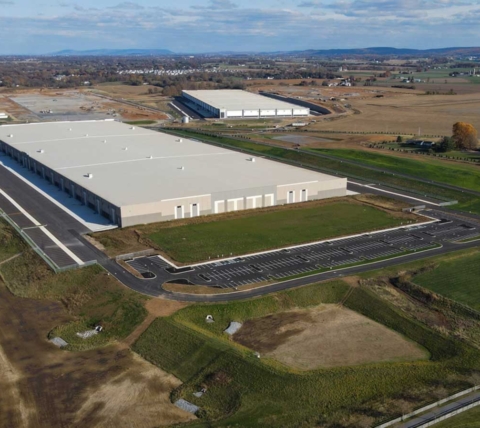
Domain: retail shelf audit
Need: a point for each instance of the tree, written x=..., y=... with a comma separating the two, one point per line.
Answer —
x=446, y=145
x=399, y=139
x=465, y=136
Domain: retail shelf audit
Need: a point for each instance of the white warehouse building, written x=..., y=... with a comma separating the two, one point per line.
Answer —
x=236, y=104
x=134, y=175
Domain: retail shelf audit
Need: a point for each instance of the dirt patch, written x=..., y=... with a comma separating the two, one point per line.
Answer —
x=138, y=397
x=163, y=308
x=54, y=388
x=326, y=336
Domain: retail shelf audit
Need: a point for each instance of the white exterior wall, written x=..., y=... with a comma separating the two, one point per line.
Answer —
x=250, y=113
x=300, y=112
x=235, y=113
x=284, y=112
x=267, y=112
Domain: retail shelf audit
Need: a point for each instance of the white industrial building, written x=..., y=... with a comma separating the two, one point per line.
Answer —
x=133, y=175
x=236, y=104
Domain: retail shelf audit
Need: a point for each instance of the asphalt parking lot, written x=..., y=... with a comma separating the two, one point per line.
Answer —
x=327, y=255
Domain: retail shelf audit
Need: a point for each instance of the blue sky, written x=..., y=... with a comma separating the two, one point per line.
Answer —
x=42, y=26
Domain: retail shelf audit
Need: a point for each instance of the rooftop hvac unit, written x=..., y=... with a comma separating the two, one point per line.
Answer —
x=86, y=135
x=89, y=175
x=132, y=128
x=69, y=129
x=10, y=135
x=104, y=141
x=252, y=159
x=41, y=151
x=125, y=148
x=182, y=168
x=179, y=140
x=150, y=157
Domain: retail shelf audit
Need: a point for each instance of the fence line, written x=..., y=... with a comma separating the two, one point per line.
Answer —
x=451, y=414
x=429, y=407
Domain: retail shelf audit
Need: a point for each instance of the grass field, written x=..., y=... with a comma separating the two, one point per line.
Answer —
x=201, y=238
x=258, y=232
x=468, y=419
x=466, y=202
x=456, y=279
x=462, y=175
x=237, y=381
x=89, y=295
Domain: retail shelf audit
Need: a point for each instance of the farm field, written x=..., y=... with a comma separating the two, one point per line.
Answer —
x=265, y=229
x=325, y=336
x=468, y=419
x=456, y=279
x=201, y=355
x=407, y=114
x=462, y=175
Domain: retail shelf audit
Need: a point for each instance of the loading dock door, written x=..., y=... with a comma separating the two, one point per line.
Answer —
x=291, y=197
x=194, y=210
x=179, y=211
x=304, y=195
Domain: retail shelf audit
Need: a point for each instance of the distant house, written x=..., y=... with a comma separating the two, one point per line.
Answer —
x=422, y=144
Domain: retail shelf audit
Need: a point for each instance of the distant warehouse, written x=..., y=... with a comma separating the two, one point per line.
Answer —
x=235, y=103
x=134, y=175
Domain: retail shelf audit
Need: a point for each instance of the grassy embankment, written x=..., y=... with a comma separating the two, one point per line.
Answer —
x=466, y=202
x=194, y=240
x=89, y=295
x=246, y=391
x=456, y=279
x=459, y=174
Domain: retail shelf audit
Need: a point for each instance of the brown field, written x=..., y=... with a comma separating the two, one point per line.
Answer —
x=43, y=386
x=137, y=94
x=407, y=114
x=326, y=336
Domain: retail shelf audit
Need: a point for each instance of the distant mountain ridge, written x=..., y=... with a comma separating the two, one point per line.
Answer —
x=374, y=51
x=113, y=52
x=388, y=51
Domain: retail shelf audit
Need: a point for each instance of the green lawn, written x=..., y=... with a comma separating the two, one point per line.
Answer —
x=268, y=230
x=457, y=279
x=246, y=391
x=466, y=202
x=468, y=419
x=461, y=175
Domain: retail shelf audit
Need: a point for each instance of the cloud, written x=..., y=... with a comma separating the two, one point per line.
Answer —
x=127, y=5
x=341, y=24
x=218, y=5
x=312, y=4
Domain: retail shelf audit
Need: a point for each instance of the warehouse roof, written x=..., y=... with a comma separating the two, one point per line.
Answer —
x=132, y=165
x=236, y=99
